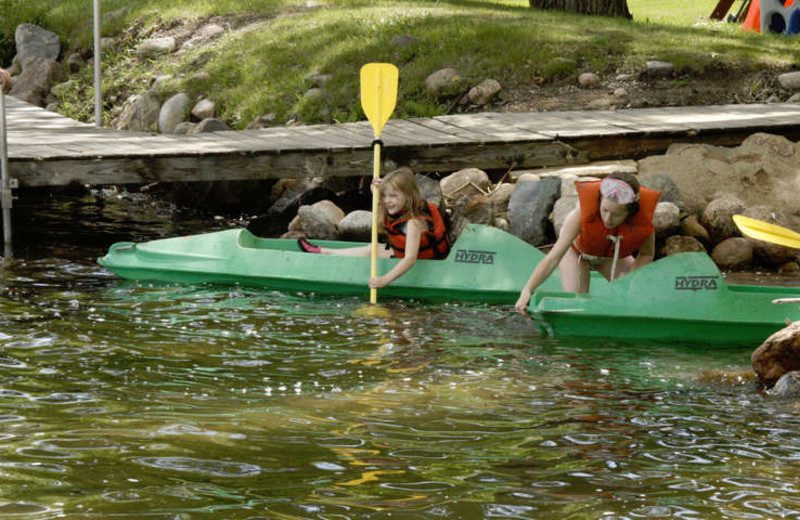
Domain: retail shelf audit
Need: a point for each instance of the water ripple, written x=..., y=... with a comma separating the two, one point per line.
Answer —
x=214, y=468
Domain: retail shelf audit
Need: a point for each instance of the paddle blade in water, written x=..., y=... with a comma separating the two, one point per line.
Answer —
x=767, y=232
x=378, y=93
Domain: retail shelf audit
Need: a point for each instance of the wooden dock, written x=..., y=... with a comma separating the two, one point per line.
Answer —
x=46, y=149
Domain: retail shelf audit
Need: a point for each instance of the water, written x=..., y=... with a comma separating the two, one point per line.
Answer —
x=122, y=399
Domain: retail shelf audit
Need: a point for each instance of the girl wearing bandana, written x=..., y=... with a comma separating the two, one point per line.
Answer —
x=613, y=220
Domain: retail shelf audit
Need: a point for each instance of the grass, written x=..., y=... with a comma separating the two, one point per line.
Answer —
x=270, y=68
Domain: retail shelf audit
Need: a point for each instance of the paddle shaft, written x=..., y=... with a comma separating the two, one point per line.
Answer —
x=376, y=174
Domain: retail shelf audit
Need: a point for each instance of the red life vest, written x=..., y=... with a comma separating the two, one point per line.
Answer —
x=434, y=242
x=633, y=232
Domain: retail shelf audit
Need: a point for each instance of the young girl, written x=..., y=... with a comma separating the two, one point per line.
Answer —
x=614, y=219
x=414, y=228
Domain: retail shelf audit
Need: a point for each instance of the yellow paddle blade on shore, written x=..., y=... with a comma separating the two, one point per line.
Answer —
x=767, y=232
x=378, y=93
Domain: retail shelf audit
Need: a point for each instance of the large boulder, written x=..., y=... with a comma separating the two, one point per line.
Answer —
x=761, y=171
x=767, y=253
x=682, y=244
x=718, y=217
x=464, y=183
x=733, y=254
x=36, y=80
x=321, y=219
x=34, y=42
x=175, y=110
x=357, y=226
x=778, y=355
x=140, y=113
x=530, y=207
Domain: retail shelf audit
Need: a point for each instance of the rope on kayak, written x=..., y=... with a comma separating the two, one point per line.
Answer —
x=616, y=239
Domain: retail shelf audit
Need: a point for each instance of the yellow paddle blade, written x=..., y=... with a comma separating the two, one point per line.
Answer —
x=766, y=232
x=378, y=93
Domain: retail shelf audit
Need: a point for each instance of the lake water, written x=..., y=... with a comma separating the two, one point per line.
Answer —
x=123, y=399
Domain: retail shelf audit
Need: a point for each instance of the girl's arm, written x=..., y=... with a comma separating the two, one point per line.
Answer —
x=646, y=252
x=569, y=231
x=413, y=235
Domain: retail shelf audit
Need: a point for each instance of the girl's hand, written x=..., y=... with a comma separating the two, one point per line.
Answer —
x=376, y=183
x=378, y=282
x=522, y=302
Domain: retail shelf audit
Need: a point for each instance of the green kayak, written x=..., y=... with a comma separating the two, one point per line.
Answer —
x=485, y=264
x=681, y=297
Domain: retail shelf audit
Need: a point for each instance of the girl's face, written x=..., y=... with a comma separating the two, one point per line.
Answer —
x=612, y=213
x=393, y=200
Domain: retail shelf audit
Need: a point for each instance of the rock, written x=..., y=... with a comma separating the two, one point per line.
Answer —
x=75, y=62
x=529, y=210
x=733, y=254
x=139, y=113
x=794, y=98
x=262, y=121
x=475, y=209
x=443, y=82
x=499, y=198
x=602, y=103
x=484, y=92
x=621, y=93
x=204, y=109
x=561, y=209
x=5, y=80
x=666, y=185
x=588, y=80
x=357, y=226
x=464, y=183
x=789, y=268
x=528, y=177
x=210, y=124
x=790, y=80
x=202, y=36
x=718, y=217
x=659, y=69
x=787, y=387
x=690, y=227
x=767, y=253
x=175, y=110
x=667, y=219
x=314, y=93
x=431, y=191
x=321, y=219
x=36, y=80
x=778, y=355
x=184, y=128
x=682, y=244
x=155, y=47
x=287, y=196
x=34, y=42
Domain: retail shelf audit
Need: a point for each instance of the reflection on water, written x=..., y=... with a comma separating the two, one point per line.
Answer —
x=122, y=399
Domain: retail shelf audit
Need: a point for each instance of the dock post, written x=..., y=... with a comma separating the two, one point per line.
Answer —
x=98, y=78
x=5, y=182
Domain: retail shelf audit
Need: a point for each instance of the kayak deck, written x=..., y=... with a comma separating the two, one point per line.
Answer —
x=485, y=264
x=681, y=297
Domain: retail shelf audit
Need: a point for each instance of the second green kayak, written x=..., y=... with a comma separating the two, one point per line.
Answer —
x=682, y=297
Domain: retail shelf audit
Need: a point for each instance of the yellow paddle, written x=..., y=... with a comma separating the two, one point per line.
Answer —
x=766, y=232
x=378, y=99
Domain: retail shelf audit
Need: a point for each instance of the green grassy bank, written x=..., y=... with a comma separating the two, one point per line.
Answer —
x=268, y=67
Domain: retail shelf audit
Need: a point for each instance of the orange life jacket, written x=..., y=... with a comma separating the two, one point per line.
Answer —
x=434, y=242
x=633, y=232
